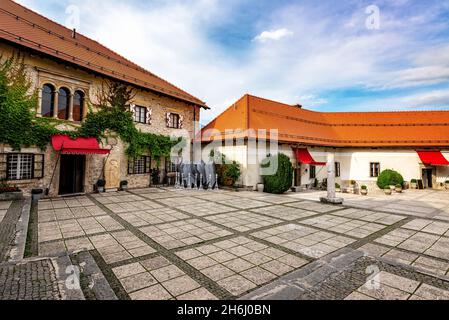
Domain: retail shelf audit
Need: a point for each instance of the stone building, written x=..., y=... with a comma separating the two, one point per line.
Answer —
x=68, y=70
x=414, y=143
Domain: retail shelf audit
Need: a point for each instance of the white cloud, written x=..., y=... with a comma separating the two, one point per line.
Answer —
x=273, y=35
x=325, y=52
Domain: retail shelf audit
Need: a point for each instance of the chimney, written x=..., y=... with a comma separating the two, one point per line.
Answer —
x=74, y=33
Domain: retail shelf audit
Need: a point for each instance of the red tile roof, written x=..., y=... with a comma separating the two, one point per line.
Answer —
x=334, y=129
x=29, y=29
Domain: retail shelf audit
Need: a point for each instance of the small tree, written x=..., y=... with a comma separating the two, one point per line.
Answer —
x=233, y=173
x=281, y=181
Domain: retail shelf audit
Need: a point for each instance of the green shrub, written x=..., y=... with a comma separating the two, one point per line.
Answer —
x=389, y=178
x=337, y=186
x=399, y=186
x=364, y=187
x=447, y=181
x=353, y=182
x=413, y=181
x=233, y=172
x=282, y=180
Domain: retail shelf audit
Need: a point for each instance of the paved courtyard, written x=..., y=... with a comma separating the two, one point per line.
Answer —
x=182, y=244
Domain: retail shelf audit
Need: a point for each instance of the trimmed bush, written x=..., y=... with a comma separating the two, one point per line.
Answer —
x=389, y=178
x=364, y=187
x=282, y=180
x=413, y=181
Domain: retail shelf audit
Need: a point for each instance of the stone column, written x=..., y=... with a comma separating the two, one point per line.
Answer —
x=331, y=198
x=39, y=103
x=70, y=107
x=330, y=175
x=55, y=105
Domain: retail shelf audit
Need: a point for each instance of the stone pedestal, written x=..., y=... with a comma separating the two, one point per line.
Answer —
x=331, y=197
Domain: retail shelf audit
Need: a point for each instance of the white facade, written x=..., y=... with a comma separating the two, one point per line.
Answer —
x=354, y=164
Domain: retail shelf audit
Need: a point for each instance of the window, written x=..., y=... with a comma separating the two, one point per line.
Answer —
x=140, y=165
x=63, y=103
x=171, y=166
x=21, y=166
x=48, y=100
x=337, y=169
x=140, y=114
x=312, y=172
x=78, y=106
x=374, y=169
x=173, y=121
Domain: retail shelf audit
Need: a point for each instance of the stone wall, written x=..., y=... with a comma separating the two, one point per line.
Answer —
x=43, y=70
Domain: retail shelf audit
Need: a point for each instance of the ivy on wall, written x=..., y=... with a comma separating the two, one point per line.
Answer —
x=20, y=128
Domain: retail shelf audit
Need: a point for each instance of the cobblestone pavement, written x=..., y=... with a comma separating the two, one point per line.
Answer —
x=183, y=244
x=42, y=279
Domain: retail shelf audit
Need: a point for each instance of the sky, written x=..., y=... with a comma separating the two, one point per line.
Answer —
x=325, y=55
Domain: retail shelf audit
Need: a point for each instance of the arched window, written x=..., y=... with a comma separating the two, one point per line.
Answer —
x=48, y=99
x=78, y=105
x=63, y=103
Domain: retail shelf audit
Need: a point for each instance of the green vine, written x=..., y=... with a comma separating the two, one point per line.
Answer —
x=20, y=127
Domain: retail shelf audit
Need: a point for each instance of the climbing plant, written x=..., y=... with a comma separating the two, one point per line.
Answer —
x=20, y=127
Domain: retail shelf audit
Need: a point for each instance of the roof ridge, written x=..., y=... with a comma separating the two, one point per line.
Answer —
x=352, y=112
x=64, y=38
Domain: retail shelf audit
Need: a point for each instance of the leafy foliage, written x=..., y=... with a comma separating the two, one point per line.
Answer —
x=389, y=178
x=20, y=127
x=281, y=181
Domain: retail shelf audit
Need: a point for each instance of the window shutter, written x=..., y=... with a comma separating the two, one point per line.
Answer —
x=3, y=167
x=132, y=109
x=38, y=166
x=167, y=117
x=147, y=164
x=149, y=115
x=181, y=121
x=130, y=166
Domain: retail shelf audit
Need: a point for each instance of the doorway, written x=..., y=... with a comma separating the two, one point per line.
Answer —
x=298, y=176
x=427, y=176
x=71, y=175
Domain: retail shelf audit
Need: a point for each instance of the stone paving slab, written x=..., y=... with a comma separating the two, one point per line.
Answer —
x=243, y=221
x=311, y=242
x=225, y=244
x=184, y=233
x=158, y=279
x=240, y=264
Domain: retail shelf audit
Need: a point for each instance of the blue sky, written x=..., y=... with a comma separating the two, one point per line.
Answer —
x=317, y=53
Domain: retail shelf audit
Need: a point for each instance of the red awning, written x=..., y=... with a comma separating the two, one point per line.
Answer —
x=433, y=158
x=67, y=145
x=303, y=156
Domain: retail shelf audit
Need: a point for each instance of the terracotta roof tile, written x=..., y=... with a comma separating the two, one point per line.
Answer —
x=337, y=129
x=27, y=28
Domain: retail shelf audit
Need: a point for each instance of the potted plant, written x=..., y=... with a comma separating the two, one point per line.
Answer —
x=364, y=190
x=101, y=183
x=123, y=185
x=337, y=188
x=413, y=184
x=233, y=173
x=388, y=191
x=353, y=183
x=9, y=192
x=37, y=194
x=398, y=188
x=447, y=184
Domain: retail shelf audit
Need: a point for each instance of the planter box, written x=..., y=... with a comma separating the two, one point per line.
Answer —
x=8, y=196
